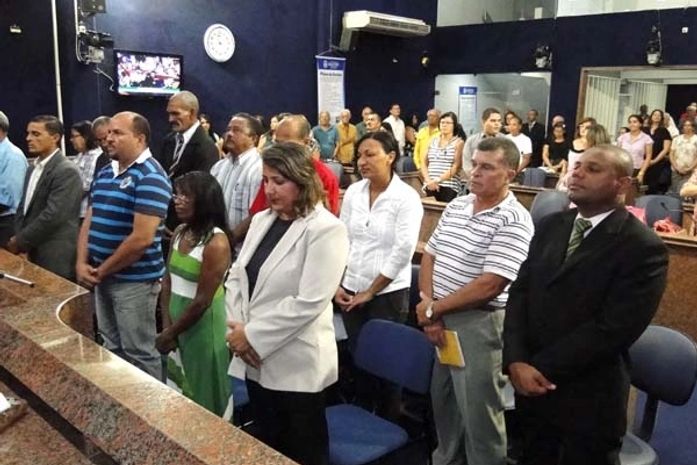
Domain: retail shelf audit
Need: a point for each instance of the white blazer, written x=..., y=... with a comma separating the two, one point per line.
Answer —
x=288, y=318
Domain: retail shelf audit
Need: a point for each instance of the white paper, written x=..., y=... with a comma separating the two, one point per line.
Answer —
x=4, y=403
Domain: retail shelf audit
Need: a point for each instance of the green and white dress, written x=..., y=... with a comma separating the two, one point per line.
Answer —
x=204, y=355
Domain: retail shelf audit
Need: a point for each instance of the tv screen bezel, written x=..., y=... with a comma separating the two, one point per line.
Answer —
x=117, y=85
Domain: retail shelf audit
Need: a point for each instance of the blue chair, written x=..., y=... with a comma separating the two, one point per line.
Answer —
x=394, y=352
x=337, y=168
x=534, y=177
x=546, y=203
x=240, y=399
x=657, y=207
x=664, y=366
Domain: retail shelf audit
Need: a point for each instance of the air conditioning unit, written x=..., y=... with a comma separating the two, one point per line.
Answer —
x=379, y=23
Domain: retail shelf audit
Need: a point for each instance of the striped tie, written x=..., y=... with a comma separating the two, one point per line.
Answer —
x=178, y=149
x=580, y=227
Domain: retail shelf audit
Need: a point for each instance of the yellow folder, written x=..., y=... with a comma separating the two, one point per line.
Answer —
x=451, y=352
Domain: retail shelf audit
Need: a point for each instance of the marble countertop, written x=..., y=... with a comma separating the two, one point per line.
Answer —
x=132, y=417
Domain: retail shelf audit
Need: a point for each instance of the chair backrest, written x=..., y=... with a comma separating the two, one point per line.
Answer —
x=534, y=177
x=657, y=207
x=397, y=353
x=664, y=364
x=337, y=168
x=548, y=202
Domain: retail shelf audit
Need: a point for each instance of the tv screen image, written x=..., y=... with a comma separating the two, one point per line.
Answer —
x=147, y=74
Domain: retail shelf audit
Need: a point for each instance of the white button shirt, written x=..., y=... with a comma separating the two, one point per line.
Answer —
x=382, y=238
x=34, y=179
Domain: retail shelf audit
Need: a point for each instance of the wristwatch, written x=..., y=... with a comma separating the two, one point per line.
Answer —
x=429, y=310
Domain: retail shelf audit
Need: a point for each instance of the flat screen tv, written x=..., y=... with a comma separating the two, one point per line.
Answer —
x=147, y=74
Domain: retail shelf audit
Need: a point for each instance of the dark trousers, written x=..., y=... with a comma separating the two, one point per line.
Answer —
x=546, y=442
x=7, y=228
x=293, y=423
x=371, y=393
x=444, y=194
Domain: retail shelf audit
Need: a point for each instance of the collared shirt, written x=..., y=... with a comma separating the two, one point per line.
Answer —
x=468, y=151
x=635, y=146
x=595, y=221
x=143, y=187
x=382, y=238
x=240, y=178
x=398, y=130
x=685, y=151
x=347, y=142
x=13, y=169
x=327, y=139
x=86, y=162
x=36, y=173
x=466, y=245
x=423, y=138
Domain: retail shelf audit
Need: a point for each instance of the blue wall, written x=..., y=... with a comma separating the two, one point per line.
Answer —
x=272, y=69
x=601, y=40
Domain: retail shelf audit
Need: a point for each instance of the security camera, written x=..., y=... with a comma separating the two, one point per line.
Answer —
x=543, y=56
x=96, y=39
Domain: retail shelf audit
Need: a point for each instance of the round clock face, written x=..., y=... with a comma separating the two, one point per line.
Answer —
x=219, y=43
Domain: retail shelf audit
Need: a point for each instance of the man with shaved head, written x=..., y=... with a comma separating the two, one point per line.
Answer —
x=119, y=248
x=589, y=288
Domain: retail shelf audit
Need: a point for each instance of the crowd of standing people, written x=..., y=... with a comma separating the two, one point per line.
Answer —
x=241, y=245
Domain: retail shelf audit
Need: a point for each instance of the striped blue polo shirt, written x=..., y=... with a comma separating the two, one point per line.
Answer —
x=143, y=188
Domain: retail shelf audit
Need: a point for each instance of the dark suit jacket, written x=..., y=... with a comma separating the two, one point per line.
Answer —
x=537, y=136
x=200, y=154
x=574, y=320
x=48, y=231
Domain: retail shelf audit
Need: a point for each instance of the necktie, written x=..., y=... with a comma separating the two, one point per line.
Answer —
x=178, y=149
x=581, y=225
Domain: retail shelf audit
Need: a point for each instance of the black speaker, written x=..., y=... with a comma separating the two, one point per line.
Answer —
x=93, y=6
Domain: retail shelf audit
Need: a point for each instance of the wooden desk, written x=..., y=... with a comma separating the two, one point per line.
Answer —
x=526, y=194
x=413, y=178
x=678, y=307
x=688, y=210
x=432, y=212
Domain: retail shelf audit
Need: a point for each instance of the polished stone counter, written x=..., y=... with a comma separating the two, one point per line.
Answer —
x=130, y=416
x=30, y=440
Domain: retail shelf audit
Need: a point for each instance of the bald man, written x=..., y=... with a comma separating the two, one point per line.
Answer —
x=589, y=288
x=119, y=252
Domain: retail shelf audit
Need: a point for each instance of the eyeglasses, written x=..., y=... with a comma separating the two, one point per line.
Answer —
x=181, y=198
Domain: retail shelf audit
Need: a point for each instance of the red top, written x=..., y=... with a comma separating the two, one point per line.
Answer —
x=329, y=181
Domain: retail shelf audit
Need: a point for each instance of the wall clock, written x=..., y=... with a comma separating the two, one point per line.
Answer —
x=219, y=43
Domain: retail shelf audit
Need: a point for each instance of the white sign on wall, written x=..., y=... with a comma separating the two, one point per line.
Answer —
x=330, y=85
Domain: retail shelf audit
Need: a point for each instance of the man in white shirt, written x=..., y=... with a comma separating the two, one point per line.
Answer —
x=398, y=129
x=239, y=173
x=491, y=127
x=47, y=217
x=13, y=167
x=521, y=141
